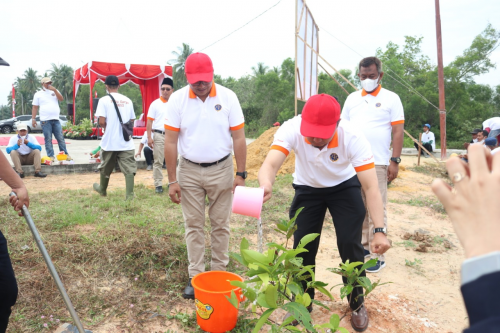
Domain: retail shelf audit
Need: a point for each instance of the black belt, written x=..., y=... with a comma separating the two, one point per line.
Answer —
x=158, y=131
x=204, y=165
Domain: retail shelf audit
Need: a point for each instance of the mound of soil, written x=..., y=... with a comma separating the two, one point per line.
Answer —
x=257, y=152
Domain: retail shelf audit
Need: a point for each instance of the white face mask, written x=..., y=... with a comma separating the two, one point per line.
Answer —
x=369, y=85
x=23, y=137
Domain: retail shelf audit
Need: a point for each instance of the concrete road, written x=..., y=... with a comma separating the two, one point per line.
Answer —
x=79, y=150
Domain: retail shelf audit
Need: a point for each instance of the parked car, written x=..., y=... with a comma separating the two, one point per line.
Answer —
x=7, y=125
x=62, y=118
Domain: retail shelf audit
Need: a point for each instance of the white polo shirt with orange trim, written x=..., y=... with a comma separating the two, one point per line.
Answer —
x=156, y=113
x=204, y=127
x=374, y=114
x=347, y=153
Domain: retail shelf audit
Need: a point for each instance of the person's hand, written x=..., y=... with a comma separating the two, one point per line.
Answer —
x=21, y=198
x=33, y=122
x=473, y=203
x=174, y=191
x=150, y=143
x=238, y=181
x=26, y=141
x=137, y=155
x=268, y=191
x=96, y=155
x=51, y=87
x=19, y=142
x=392, y=171
x=380, y=244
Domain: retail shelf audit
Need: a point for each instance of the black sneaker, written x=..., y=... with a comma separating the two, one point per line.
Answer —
x=188, y=291
x=38, y=174
x=21, y=175
x=159, y=189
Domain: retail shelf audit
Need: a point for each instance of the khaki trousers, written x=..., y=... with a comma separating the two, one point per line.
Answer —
x=159, y=156
x=368, y=222
x=33, y=158
x=125, y=159
x=216, y=183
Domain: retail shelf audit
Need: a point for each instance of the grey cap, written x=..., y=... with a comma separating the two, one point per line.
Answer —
x=3, y=62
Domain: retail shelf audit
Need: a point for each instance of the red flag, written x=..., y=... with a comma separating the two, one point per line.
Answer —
x=13, y=101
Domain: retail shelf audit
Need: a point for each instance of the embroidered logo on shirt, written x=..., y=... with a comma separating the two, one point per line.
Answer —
x=53, y=94
x=218, y=107
x=378, y=105
x=334, y=157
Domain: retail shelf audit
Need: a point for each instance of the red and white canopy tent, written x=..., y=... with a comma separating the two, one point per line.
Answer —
x=148, y=77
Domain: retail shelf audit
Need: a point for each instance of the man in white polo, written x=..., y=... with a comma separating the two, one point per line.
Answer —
x=332, y=161
x=47, y=102
x=206, y=121
x=377, y=113
x=156, y=120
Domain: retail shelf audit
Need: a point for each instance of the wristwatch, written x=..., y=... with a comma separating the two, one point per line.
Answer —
x=396, y=159
x=243, y=174
x=382, y=230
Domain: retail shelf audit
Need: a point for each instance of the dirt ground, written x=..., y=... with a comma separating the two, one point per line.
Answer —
x=423, y=297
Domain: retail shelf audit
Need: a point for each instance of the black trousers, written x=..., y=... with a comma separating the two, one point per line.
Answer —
x=8, y=285
x=148, y=155
x=427, y=146
x=348, y=212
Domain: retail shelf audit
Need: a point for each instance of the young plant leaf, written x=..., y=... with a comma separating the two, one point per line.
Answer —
x=335, y=321
x=272, y=295
x=262, y=320
x=301, y=314
x=318, y=303
x=233, y=299
x=306, y=240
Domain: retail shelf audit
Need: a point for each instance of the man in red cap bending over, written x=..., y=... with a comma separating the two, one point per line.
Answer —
x=206, y=121
x=332, y=161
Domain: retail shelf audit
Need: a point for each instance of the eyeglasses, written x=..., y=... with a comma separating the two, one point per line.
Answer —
x=167, y=89
x=201, y=83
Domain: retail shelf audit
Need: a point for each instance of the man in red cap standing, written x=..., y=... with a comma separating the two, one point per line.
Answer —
x=332, y=162
x=206, y=122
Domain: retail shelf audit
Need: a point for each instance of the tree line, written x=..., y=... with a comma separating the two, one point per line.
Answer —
x=267, y=94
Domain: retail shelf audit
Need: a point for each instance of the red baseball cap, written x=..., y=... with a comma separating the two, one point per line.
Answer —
x=320, y=116
x=199, y=67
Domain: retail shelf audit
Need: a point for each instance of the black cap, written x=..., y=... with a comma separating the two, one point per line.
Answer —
x=476, y=130
x=111, y=80
x=168, y=81
x=3, y=62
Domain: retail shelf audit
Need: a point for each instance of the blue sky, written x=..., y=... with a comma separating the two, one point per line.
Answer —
x=38, y=33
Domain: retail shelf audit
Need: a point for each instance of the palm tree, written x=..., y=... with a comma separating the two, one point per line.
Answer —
x=261, y=69
x=62, y=78
x=182, y=54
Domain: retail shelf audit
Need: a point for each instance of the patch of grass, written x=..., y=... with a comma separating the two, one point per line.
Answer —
x=434, y=170
x=406, y=243
x=414, y=263
x=422, y=201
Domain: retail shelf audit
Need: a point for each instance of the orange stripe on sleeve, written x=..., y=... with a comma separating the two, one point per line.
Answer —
x=151, y=118
x=365, y=167
x=281, y=149
x=170, y=128
x=235, y=128
x=398, y=122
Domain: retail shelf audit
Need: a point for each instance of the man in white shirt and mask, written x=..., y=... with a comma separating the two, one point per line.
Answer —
x=428, y=141
x=378, y=114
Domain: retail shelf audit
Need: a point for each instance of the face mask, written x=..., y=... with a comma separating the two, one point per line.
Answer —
x=369, y=85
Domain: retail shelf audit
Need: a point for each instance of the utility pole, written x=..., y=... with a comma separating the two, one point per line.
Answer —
x=442, y=108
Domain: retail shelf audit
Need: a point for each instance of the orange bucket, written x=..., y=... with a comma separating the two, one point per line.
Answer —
x=214, y=313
